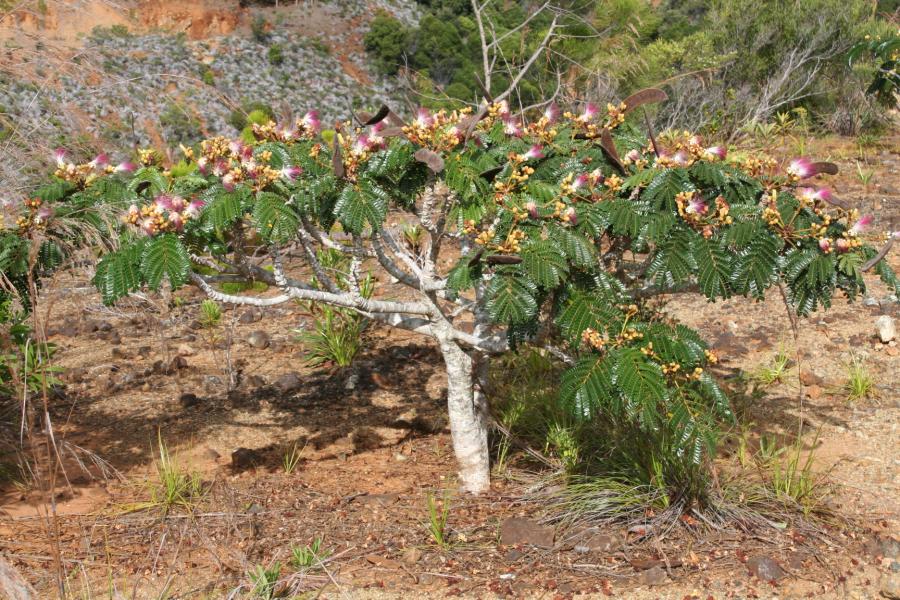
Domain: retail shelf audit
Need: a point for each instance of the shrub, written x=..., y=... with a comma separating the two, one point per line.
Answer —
x=276, y=54
x=386, y=41
x=569, y=226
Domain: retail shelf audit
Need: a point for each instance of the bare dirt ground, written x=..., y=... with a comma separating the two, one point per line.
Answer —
x=375, y=446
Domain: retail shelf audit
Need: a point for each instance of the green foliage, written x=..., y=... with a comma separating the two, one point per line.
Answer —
x=387, y=40
x=275, y=54
x=181, y=125
x=264, y=581
x=884, y=53
x=335, y=337
x=210, y=314
x=437, y=520
x=309, y=556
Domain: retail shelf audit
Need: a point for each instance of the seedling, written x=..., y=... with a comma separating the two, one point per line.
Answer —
x=291, y=458
x=309, y=556
x=860, y=383
x=264, y=581
x=437, y=520
x=775, y=370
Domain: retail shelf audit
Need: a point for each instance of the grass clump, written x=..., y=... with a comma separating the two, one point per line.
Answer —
x=774, y=371
x=860, y=383
x=309, y=556
x=437, y=520
x=210, y=314
x=174, y=487
x=264, y=582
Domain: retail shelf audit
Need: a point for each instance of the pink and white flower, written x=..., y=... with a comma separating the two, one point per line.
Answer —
x=532, y=209
x=228, y=182
x=193, y=209
x=715, y=152
x=590, y=111
x=696, y=206
x=801, y=168
x=534, y=153
x=177, y=204
x=551, y=112
x=861, y=225
x=842, y=245
x=424, y=118
x=681, y=158
x=570, y=215
x=177, y=220
x=125, y=167
x=311, y=121
x=148, y=226
x=59, y=156
x=511, y=127
x=825, y=245
x=633, y=155
x=100, y=161
x=291, y=172
x=43, y=214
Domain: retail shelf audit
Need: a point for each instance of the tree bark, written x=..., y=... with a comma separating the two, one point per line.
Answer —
x=468, y=423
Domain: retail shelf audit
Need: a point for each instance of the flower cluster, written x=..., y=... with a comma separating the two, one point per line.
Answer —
x=33, y=214
x=166, y=213
x=83, y=174
x=235, y=162
x=684, y=149
x=439, y=132
x=304, y=128
x=695, y=210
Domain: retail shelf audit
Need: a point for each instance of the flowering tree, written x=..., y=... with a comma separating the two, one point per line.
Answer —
x=558, y=230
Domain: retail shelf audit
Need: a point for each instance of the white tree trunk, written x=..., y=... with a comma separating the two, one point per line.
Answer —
x=468, y=423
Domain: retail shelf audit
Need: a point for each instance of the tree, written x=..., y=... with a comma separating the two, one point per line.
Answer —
x=561, y=228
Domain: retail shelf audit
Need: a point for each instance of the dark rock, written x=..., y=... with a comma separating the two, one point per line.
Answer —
x=104, y=326
x=727, y=343
x=245, y=458
x=76, y=374
x=288, y=382
x=655, y=576
x=120, y=353
x=69, y=330
x=145, y=351
x=250, y=316
x=211, y=383
x=765, y=568
x=189, y=400
x=179, y=362
x=516, y=530
x=258, y=339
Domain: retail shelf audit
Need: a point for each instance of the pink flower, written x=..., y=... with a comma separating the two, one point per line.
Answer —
x=801, y=168
x=176, y=220
x=681, y=158
x=718, y=152
x=291, y=172
x=825, y=245
x=127, y=167
x=147, y=226
x=534, y=153
x=511, y=127
x=43, y=214
x=696, y=206
x=633, y=155
x=580, y=181
x=177, y=204
x=100, y=161
x=163, y=201
x=311, y=121
x=220, y=168
x=590, y=111
x=551, y=113
x=861, y=225
x=456, y=132
x=424, y=118
x=842, y=244
x=362, y=144
x=570, y=215
x=236, y=147
x=228, y=182
x=202, y=164
x=695, y=140
x=824, y=194
x=193, y=209
x=532, y=209
x=286, y=132
x=60, y=157
x=809, y=194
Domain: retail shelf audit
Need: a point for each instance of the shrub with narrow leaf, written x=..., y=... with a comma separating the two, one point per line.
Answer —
x=559, y=229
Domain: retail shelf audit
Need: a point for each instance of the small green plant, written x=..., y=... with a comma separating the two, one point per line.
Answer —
x=335, y=337
x=208, y=77
x=309, y=556
x=775, y=370
x=865, y=176
x=174, y=486
x=264, y=581
x=860, y=383
x=414, y=236
x=259, y=28
x=210, y=314
x=788, y=473
x=563, y=442
x=276, y=54
x=291, y=458
x=437, y=520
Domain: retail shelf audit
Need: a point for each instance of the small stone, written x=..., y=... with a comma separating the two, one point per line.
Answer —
x=810, y=378
x=177, y=363
x=104, y=326
x=890, y=586
x=765, y=568
x=185, y=350
x=653, y=576
x=245, y=458
x=601, y=542
x=258, y=339
x=887, y=331
x=288, y=382
x=412, y=555
x=189, y=400
x=516, y=530
x=250, y=316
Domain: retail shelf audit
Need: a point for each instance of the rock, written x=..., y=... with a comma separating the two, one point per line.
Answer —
x=765, y=568
x=258, y=339
x=516, y=530
x=601, y=542
x=654, y=576
x=380, y=499
x=288, y=382
x=104, y=326
x=120, y=353
x=887, y=331
x=177, y=363
x=185, y=350
x=412, y=555
x=245, y=458
x=890, y=586
x=810, y=378
x=250, y=316
x=189, y=400
x=145, y=351
x=211, y=383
